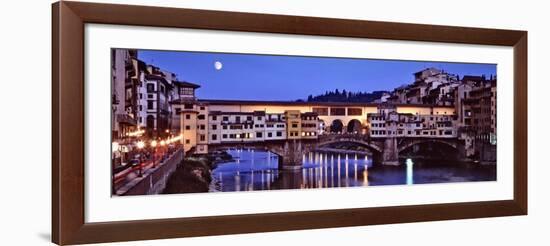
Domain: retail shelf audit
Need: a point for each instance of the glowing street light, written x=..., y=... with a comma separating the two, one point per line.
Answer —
x=140, y=145
x=136, y=133
x=154, y=145
x=163, y=143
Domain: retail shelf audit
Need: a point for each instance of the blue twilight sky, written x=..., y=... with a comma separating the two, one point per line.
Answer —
x=268, y=77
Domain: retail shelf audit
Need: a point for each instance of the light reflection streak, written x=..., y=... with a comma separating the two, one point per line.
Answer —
x=409, y=164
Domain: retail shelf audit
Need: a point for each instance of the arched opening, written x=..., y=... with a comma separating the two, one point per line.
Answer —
x=351, y=146
x=354, y=126
x=430, y=150
x=336, y=126
x=360, y=148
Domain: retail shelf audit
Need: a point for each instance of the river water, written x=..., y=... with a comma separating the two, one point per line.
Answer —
x=258, y=170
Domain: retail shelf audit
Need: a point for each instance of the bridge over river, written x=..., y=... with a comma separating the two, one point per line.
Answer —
x=384, y=150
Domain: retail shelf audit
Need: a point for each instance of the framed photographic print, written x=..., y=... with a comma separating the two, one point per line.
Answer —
x=176, y=122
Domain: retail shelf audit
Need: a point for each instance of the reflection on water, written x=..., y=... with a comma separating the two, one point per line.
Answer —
x=409, y=164
x=258, y=170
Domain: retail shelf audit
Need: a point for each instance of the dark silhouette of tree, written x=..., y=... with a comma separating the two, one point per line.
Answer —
x=346, y=96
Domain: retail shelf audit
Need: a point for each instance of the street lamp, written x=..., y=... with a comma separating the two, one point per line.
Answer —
x=162, y=144
x=154, y=145
x=140, y=146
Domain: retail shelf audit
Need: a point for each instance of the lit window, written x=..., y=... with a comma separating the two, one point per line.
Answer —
x=187, y=91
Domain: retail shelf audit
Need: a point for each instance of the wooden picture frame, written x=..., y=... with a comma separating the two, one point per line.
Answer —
x=68, y=223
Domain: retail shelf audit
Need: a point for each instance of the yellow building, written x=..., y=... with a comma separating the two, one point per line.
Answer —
x=188, y=124
x=294, y=124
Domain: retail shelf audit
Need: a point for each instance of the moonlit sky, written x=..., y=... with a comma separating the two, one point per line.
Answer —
x=268, y=77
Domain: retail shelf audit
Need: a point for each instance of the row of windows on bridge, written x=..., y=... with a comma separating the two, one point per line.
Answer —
x=243, y=135
x=238, y=118
x=251, y=126
x=278, y=134
x=237, y=127
x=415, y=118
x=414, y=133
x=412, y=124
x=259, y=118
x=338, y=111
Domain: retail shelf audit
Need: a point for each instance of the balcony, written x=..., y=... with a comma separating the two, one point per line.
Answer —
x=125, y=119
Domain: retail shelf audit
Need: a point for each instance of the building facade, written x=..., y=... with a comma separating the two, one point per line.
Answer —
x=123, y=93
x=436, y=122
x=436, y=104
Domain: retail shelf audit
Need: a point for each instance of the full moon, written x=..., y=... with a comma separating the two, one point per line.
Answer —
x=218, y=65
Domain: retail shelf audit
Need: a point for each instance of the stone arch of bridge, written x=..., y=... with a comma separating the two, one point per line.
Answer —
x=370, y=146
x=408, y=144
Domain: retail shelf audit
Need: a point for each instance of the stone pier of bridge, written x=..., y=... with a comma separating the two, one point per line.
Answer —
x=390, y=153
x=290, y=157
